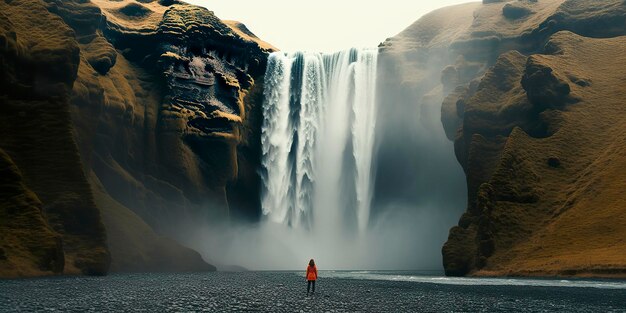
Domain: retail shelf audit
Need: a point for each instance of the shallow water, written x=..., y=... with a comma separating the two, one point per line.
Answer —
x=337, y=291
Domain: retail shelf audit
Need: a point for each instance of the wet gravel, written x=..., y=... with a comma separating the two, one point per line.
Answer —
x=286, y=292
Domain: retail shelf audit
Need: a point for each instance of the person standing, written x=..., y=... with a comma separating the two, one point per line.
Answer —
x=311, y=276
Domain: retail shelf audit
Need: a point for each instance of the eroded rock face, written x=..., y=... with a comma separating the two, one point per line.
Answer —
x=202, y=70
x=169, y=128
x=29, y=244
x=545, y=88
x=157, y=97
x=517, y=99
x=100, y=54
x=50, y=223
x=516, y=10
x=207, y=78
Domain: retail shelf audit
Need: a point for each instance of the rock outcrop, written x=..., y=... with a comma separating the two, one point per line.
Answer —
x=165, y=141
x=530, y=93
x=547, y=204
x=124, y=122
x=50, y=222
x=29, y=245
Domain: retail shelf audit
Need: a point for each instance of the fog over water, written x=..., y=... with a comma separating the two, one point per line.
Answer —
x=355, y=176
x=355, y=173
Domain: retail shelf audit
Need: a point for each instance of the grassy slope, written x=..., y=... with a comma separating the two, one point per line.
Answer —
x=579, y=226
x=545, y=164
x=525, y=217
x=28, y=245
x=135, y=247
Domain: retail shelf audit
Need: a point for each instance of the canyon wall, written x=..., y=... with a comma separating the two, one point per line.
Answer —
x=124, y=123
x=531, y=93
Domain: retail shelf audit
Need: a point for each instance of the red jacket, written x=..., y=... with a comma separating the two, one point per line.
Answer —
x=311, y=272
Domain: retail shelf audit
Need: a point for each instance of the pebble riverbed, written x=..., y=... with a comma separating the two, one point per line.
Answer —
x=286, y=292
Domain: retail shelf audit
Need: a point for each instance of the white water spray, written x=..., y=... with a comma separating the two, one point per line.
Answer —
x=323, y=138
x=318, y=140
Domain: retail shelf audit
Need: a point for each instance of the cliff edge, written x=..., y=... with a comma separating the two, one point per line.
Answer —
x=531, y=95
x=124, y=124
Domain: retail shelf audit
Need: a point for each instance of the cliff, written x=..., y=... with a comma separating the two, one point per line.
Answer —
x=530, y=92
x=125, y=125
x=123, y=122
x=50, y=222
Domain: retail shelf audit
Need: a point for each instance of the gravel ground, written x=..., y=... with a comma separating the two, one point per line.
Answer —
x=286, y=292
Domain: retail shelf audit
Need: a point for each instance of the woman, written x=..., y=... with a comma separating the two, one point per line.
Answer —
x=311, y=276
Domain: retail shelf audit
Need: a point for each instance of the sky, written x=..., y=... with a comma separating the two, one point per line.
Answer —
x=324, y=25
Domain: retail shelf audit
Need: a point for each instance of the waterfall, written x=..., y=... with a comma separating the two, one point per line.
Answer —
x=317, y=139
x=323, y=137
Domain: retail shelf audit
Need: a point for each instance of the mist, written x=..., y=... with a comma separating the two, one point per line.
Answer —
x=417, y=190
x=401, y=239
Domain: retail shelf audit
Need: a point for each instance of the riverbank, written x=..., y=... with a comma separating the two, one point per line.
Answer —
x=286, y=292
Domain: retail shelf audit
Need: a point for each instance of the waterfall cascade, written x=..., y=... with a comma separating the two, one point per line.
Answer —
x=323, y=140
x=319, y=117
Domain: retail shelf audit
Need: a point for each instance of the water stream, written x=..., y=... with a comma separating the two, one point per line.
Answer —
x=318, y=140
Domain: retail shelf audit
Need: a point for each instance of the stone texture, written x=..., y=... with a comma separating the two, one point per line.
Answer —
x=55, y=217
x=164, y=130
x=136, y=111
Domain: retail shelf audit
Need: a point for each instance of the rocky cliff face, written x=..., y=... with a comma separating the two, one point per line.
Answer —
x=530, y=93
x=50, y=222
x=165, y=143
x=135, y=114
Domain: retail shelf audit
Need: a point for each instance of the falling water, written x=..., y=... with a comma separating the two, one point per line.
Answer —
x=318, y=139
x=330, y=156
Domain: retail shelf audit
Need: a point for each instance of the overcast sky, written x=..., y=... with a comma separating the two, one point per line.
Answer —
x=324, y=25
